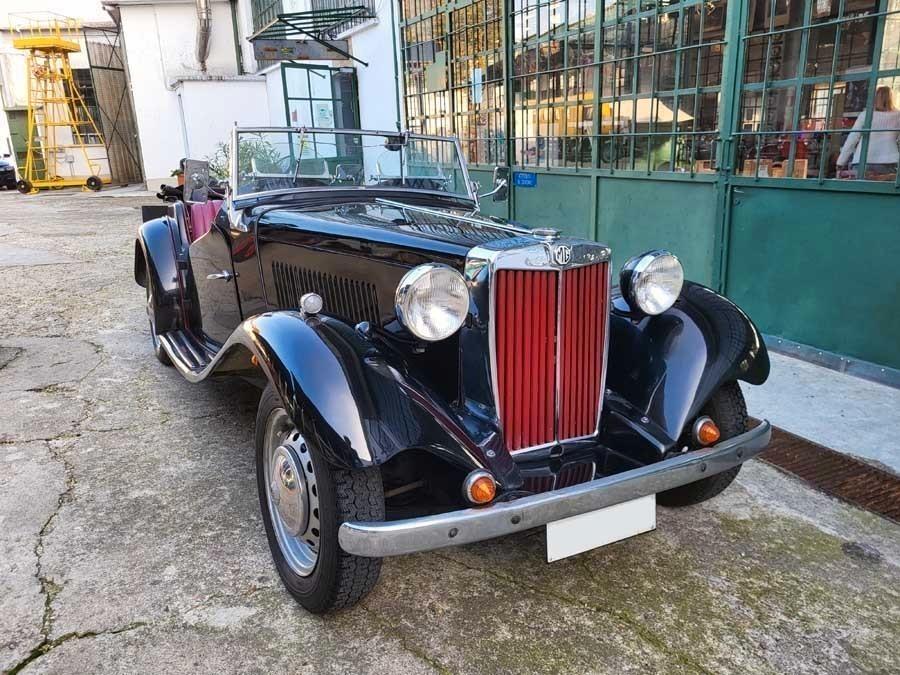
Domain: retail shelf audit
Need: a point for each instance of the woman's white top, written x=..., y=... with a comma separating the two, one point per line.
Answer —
x=882, y=144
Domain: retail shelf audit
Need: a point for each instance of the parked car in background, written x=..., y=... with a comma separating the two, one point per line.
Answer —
x=7, y=173
x=432, y=376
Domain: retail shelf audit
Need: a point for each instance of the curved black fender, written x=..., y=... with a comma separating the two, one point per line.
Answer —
x=668, y=366
x=156, y=263
x=356, y=399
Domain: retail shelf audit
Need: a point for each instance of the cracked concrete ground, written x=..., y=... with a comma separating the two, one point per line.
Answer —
x=131, y=541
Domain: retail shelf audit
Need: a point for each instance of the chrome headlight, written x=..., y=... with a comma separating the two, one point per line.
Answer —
x=652, y=282
x=432, y=301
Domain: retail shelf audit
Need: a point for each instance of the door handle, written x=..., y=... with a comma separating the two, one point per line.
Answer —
x=224, y=275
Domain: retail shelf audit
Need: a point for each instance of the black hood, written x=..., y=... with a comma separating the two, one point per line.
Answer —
x=375, y=222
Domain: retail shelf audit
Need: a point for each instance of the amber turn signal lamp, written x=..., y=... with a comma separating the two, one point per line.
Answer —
x=705, y=431
x=479, y=487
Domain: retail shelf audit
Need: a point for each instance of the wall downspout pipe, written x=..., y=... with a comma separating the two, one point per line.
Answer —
x=204, y=28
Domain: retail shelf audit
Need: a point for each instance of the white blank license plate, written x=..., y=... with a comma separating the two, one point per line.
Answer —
x=597, y=528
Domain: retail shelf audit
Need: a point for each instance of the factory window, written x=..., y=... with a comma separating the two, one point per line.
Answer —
x=553, y=82
x=818, y=76
x=660, y=80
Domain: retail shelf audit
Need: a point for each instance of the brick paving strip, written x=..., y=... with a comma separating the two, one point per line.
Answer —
x=834, y=473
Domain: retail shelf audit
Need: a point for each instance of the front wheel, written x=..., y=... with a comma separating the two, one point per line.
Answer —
x=304, y=501
x=729, y=411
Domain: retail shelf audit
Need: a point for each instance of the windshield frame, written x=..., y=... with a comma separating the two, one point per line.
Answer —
x=238, y=199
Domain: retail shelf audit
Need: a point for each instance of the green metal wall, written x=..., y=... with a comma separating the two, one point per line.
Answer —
x=638, y=215
x=813, y=261
x=821, y=268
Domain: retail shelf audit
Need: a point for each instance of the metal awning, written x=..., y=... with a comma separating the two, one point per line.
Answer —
x=317, y=25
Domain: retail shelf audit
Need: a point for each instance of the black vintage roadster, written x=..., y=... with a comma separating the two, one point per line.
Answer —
x=433, y=376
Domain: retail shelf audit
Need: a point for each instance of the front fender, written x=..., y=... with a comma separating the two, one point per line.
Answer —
x=156, y=264
x=668, y=366
x=352, y=397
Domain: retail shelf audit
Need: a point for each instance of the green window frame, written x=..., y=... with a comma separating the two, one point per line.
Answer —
x=809, y=70
x=303, y=90
x=673, y=89
x=661, y=86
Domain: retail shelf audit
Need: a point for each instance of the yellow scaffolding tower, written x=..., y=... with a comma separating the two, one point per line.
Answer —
x=58, y=118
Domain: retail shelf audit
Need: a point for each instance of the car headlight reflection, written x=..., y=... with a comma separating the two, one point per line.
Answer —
x=651, y=282
x=432, y=301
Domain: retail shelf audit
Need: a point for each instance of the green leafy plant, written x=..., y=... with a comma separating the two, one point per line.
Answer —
x=253, y=154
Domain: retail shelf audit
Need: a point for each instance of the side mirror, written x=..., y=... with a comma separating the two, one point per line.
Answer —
x=500, y=191
x=196, y=181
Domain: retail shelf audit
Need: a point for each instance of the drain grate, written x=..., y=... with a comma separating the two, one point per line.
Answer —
x=836, y=474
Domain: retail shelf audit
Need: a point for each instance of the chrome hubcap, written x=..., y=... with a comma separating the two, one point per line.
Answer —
x=291, y=493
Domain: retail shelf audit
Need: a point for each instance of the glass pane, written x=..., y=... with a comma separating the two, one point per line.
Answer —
x=661, y=153
x=784, y=55
x=664, y=113
x=320, y=83
x=714, y=23
x=890, y=50
x=755, y=59
x=299, y=114
x=857, y=46
x=297, y=82
x=641, y=153
x=820, y=53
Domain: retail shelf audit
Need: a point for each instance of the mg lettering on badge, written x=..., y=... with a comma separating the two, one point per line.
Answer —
x=562, y=255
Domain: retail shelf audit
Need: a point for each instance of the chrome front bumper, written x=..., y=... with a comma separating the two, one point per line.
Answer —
x=377, y=539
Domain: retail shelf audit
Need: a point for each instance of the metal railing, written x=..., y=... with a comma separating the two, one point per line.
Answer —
x=265, y=12
x=367, y=12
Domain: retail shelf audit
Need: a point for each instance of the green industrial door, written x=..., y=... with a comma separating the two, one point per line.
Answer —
x=18, y=131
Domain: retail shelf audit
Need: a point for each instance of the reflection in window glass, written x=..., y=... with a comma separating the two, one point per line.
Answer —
x=553, y=82
x=814, y=121
x=653, y=114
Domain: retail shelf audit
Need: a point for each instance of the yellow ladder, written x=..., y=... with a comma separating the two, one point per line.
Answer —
x=58, y=118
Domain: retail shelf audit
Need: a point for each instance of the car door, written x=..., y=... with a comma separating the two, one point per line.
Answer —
x=216, y=281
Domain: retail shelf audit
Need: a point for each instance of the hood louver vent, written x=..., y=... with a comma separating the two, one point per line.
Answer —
x=352, y=299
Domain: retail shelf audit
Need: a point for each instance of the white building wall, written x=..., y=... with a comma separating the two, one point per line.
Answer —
x=377, y=83
x=275, y=96
x=212, y=107
x=175, y=112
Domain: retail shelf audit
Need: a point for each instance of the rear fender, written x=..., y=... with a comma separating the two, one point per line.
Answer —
x=667, y=367
x=356, y=400
x=156, y=265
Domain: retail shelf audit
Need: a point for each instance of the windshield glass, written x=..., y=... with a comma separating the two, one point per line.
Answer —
x=284, y=159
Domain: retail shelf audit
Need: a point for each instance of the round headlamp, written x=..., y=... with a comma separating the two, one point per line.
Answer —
x=432, y=301
x=651, y=282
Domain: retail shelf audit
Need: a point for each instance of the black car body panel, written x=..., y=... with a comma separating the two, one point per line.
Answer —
x=662, y=368
x=356, y=379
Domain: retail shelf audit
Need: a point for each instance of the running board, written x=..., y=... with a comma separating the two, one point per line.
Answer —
x=186, y=352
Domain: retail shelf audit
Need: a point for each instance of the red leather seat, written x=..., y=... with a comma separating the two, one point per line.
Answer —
x=202, y=217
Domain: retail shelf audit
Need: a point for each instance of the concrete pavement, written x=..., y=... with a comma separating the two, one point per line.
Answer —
x=131, y=541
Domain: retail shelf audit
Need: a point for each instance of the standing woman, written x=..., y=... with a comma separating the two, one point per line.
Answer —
x=883, y=151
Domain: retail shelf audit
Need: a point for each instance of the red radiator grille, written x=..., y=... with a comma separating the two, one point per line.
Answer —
x=549, y=340
x=584, y=300
x=526, y=365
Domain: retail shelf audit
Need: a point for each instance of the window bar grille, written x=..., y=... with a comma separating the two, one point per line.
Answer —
x=798, y=91
x=763, y=112
x=653, y=98
x=826, y=140
x=870, y=98
x=679, y=42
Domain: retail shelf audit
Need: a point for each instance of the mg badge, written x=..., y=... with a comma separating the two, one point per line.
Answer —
x=562, y=255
